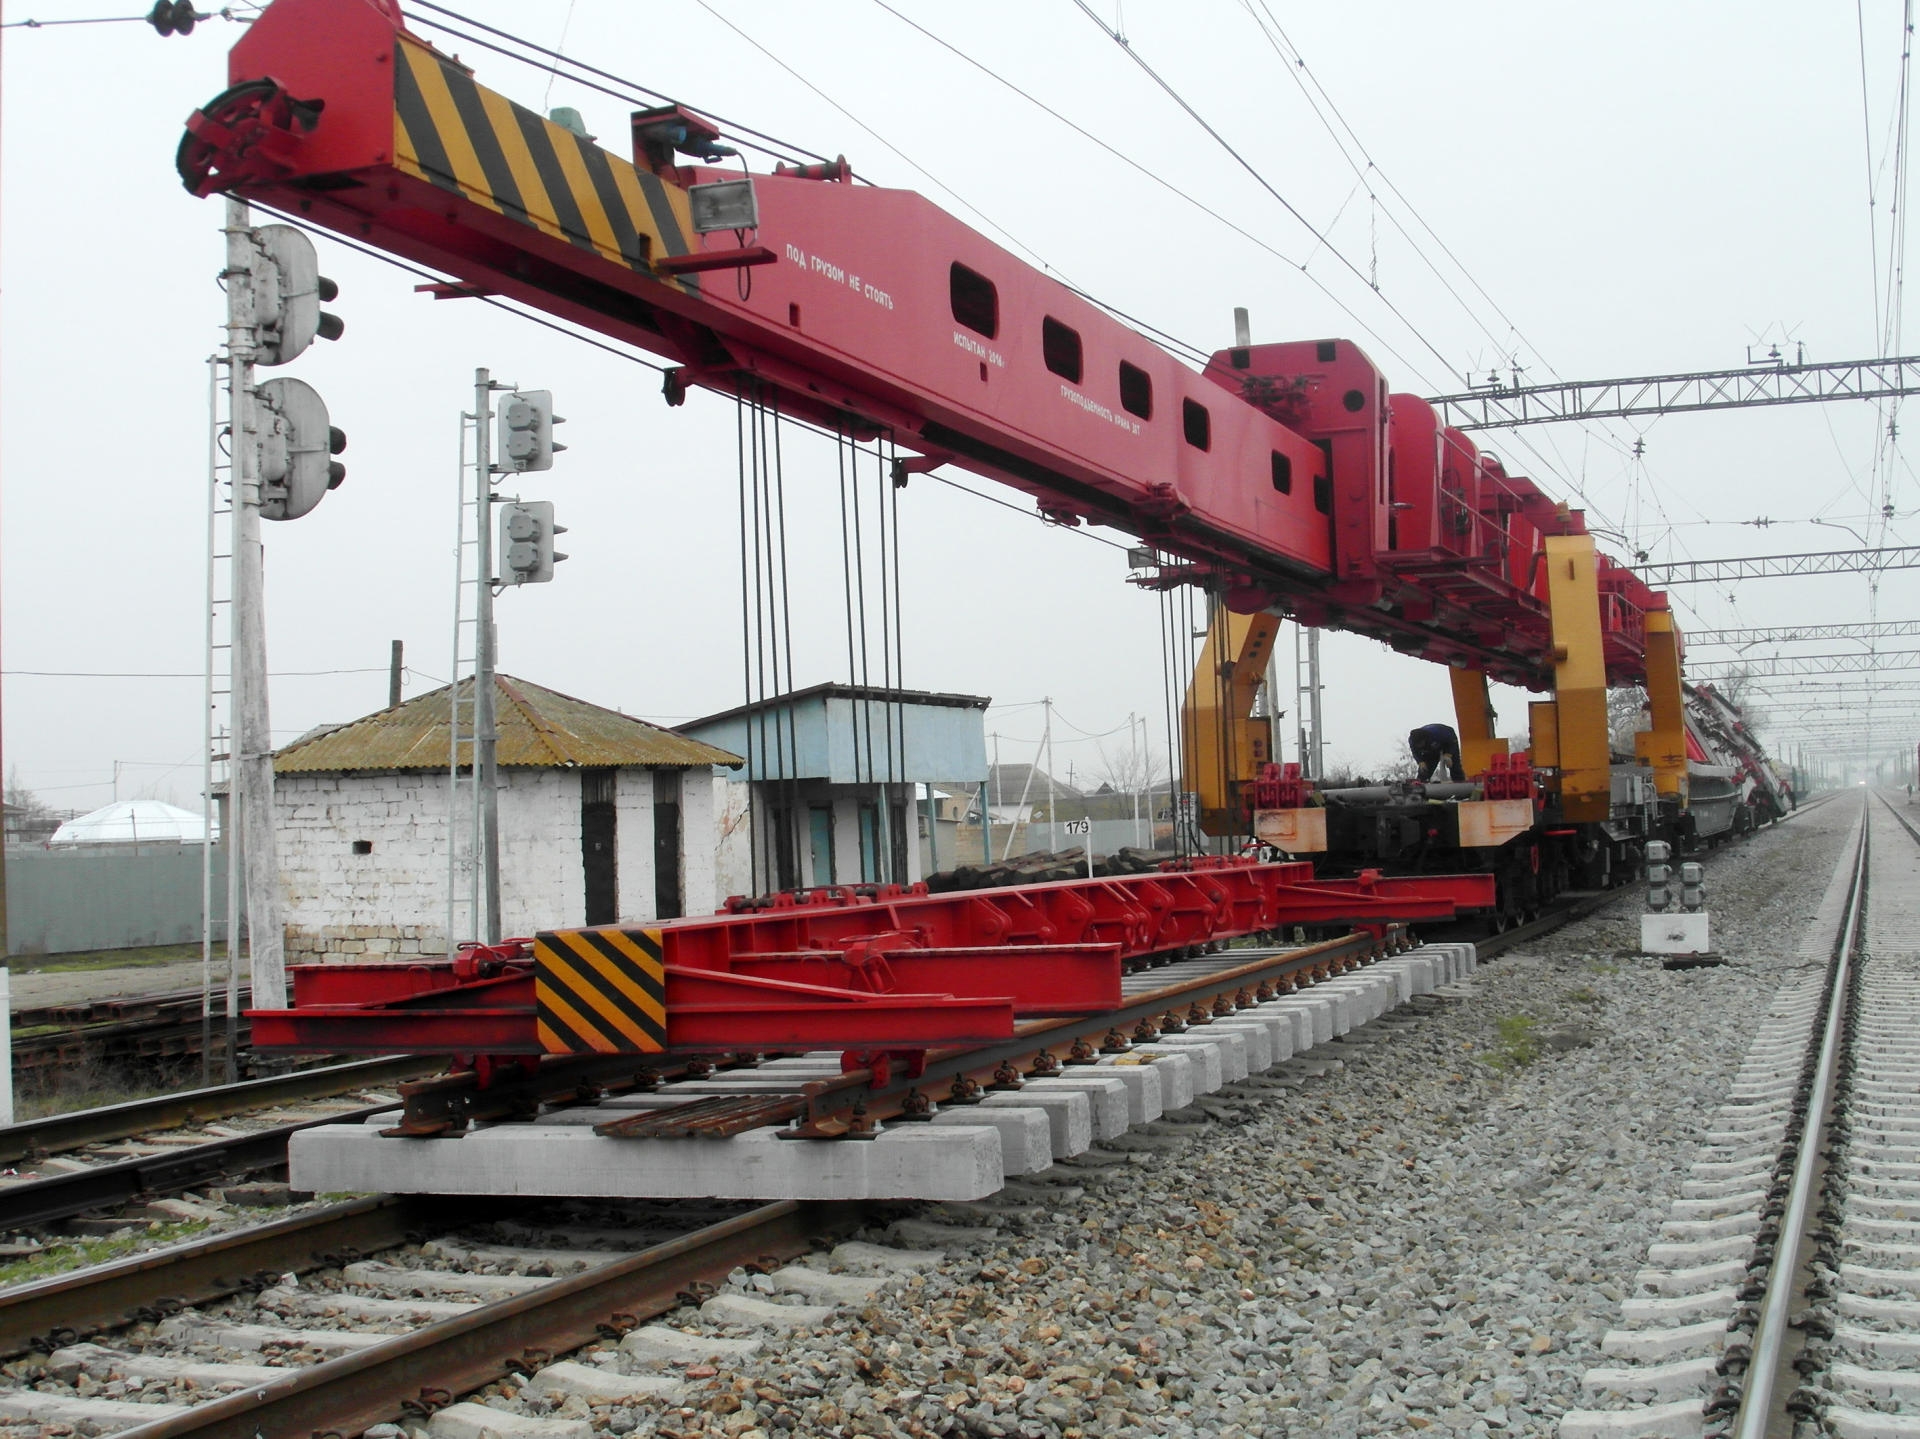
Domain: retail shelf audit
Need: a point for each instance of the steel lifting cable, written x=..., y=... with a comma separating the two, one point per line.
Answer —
x=1168, y=664
x=842, y=442
x=899, y=623
x=767, y=637
x=790, y=776
x=766, y=634
x=746, y=625
x=883, y=828
x=892, y=715
x=1226, y=725
x=863, y=720
x=1189, y=750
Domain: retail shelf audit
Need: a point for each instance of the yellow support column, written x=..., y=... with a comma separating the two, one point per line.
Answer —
x=1665, y=745
x=1473, y=720
x=1579, y=677
x=1221, y=743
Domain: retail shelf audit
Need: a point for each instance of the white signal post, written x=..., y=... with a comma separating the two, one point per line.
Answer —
x=486, y=775
x=251, y=805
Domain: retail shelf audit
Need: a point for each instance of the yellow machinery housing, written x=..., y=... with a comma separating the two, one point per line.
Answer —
x=1222, y=743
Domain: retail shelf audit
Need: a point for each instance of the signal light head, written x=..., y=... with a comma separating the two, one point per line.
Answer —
x=173, y=17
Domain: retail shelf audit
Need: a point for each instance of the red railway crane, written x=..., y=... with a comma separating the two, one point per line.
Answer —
x=1285, y=478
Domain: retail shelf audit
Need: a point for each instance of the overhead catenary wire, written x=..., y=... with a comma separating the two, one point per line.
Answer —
x=1258, y=178
x=1560, y=469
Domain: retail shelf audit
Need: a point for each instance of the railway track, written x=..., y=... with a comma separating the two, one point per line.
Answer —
x=92, y=1161
x=414, y=1306
x=1783, y=1301
x=400, y=1305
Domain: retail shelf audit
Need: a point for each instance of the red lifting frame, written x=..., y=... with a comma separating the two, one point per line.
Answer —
x=894, y=968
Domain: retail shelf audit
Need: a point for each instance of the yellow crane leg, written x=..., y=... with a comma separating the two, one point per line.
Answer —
x=1579, y=678
x=1665, y=745
x=1222, y=745
x=1473, y=720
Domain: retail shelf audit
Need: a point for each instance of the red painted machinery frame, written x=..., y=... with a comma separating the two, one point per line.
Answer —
x=1283, y=476
x=882, y=969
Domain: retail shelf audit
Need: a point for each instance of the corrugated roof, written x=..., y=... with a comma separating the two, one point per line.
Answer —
x=842, y=691
x=539, y=729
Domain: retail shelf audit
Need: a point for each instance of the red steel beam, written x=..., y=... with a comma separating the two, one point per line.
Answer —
x=891, y=968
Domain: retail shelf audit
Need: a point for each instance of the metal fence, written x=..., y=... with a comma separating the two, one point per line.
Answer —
x=108, y=897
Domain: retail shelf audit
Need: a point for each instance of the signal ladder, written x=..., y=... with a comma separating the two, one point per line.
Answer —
x=464, y=917
x=217, y=732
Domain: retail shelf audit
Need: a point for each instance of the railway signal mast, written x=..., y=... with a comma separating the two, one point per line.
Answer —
x=526, y=555
x=283, y=445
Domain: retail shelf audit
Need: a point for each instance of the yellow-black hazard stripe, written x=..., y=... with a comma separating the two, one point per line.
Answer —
x=600, y=991
x=479, y=145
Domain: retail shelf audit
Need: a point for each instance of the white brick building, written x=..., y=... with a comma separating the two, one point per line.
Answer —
x=603, y=818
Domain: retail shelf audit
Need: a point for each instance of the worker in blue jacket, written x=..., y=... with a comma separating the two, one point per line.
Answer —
x=1431, y=744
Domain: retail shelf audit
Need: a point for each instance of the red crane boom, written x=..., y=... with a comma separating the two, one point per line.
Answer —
x=1281, y=476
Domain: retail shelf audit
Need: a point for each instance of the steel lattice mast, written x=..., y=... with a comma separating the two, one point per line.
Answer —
x=1503, y=405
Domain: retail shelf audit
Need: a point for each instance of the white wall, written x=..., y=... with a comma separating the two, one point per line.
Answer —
x=348, y=906
x=393, y=902
x=732, y=852
x=542, y=880
x=704, y=795
x=633, y=839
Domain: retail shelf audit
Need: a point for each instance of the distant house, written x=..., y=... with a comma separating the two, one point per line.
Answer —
x=604, y=818
x=1015, y=789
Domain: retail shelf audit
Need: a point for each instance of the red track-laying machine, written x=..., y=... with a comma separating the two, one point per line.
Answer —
x=1284, y=478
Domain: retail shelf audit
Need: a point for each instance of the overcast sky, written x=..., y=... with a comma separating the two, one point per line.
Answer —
x=1636, y=188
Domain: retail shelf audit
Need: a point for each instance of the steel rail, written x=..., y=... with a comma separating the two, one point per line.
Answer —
x=40, y=1202
x=829, y=1101
x=69, y=1307
x=1770, y=1332
x=119, y=1009
x=447, y=1105
x=434, y=1365
x=58, y=1132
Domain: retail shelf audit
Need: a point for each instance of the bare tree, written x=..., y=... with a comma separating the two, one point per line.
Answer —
x=1131, y=771
x=28, y=817
x=1626, y=717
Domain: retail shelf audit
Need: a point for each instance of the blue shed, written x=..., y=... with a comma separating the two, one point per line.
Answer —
x=836, y=772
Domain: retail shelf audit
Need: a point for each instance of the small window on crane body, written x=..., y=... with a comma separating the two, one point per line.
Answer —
x=1060, y=346
x=1196, y=424
x=1136, y=391
x=1282, y=473
x=976, y=303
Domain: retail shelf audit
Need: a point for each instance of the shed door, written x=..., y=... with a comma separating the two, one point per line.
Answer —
x=599, y=845
x=820, y=837
x=667, y=903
